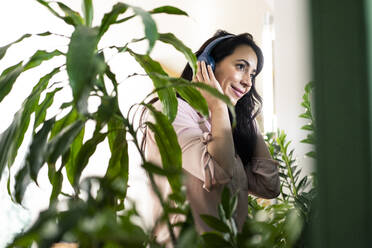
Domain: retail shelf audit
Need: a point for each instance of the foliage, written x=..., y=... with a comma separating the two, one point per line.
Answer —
x=99, y=218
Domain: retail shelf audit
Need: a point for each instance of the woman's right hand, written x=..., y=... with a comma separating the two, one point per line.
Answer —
x=205, y=75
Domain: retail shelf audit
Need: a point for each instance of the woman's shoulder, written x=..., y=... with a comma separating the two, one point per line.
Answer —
x=184, y=110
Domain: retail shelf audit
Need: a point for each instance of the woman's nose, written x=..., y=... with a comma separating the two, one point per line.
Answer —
x=246, y=81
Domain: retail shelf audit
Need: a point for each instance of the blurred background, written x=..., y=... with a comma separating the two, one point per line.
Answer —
x=281, y=29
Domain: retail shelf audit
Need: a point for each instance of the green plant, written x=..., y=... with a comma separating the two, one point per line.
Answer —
x=63, y=143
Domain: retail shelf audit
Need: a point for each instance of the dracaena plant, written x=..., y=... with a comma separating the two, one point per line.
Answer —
x=62, y=142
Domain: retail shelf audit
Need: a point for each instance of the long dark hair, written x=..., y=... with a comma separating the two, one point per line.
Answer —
x=247, y=107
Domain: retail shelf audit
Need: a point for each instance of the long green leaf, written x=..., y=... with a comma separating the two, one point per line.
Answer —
x=57, y=186
x=39, y=57
x=215, y=223
x=166, y=140
x=88, y=12
x=214, y=240
x=82, y=65
x=167, y=95
x=40, y=112
x=71, y=117
x=7, y=141
x=150, y=167
x=118, y=168
x=151, y=31
x=74, y=151
x=35, y=156
x=73, y=15
x=86, y=151
x=176, y=43
x=22, y=180
x=187, y=91
x=12, y=137
x=8, y=78
x=3, y=49
x=66, y=19
x=62, y=141
x=110, y=18
x=183, y=86
x=168, y=10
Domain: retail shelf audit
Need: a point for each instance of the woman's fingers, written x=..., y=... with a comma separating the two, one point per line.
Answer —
x=204, y=72
x=198, y=76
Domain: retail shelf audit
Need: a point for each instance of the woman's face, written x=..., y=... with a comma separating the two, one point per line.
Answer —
x=236, y=71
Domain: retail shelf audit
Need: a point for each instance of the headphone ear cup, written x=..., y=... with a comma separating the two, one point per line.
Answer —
x=211, y=62
x=208, y=60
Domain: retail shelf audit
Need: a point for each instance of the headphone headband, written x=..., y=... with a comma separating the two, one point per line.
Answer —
x=205, y=55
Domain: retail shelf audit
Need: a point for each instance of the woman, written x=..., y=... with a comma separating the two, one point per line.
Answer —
x=214, y=154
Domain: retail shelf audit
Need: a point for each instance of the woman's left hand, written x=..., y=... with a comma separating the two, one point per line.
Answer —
x=205, y=74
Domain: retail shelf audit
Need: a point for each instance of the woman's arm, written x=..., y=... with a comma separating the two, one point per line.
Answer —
x=221, y=147
x=263, y=172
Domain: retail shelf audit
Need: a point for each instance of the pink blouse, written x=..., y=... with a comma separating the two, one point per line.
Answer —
x=204, y=178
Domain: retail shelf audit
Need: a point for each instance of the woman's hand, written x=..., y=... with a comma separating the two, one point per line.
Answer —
x=205, y=74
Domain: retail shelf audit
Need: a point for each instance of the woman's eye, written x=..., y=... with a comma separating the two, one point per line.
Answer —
x=240, y=67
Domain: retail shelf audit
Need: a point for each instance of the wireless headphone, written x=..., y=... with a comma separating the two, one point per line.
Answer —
x=205, y=55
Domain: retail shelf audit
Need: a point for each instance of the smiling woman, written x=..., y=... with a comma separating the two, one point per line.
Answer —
x=214, y=154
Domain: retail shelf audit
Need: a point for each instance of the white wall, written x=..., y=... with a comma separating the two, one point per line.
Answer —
x=292, y=70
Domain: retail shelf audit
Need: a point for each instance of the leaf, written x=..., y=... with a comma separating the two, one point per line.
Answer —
x=118, y=168
x=8, y=78
x=107, y=109
x=167, y=95
x=40, y=112
x=309, y=86
x=64, y=122
x=166, y=140
x=150, y=167
x=176, y=43
x=12, y=137
x=225, y=201
x=111, y=17
x=82, y=67
x=3, y=49
x=221, y=213
x=22, y=180
x=66, y=19
x=233, y=204
x=74, y=150
x=86, y=151
x=88, y=12
x=151, y=31
x=214, y=240
x=62, y=141
x=37, y=149
x=168, y=10
x=74, y=16
x=57, y=186
x=39, y=57
x=215, y=223
x=308, y=141
x=187, y=91
x=302, y=183
x=306, y=115
x=311, y=154
x=309, y=127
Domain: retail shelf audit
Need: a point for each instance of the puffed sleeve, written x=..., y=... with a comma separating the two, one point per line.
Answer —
x=193, y=141
x=263, y=178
